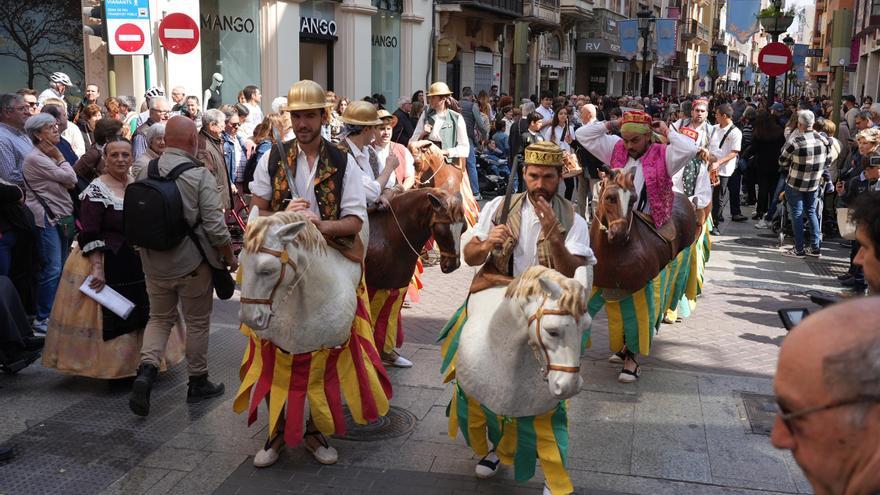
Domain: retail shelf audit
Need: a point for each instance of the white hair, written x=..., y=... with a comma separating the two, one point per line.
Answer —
x=592, y=110
x=277, y=103
x=154, y=102
x=403, y=100
x=213, y=116
x=527, y=108
x=806, y=117
x=154, y=131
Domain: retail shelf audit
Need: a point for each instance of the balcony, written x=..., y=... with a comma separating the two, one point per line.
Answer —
x=541, y=14
x=509, y=8
x=576, y=8
x=695, y=30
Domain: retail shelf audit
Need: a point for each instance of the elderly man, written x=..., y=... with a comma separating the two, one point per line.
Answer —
x=30, y=97
x=14, y=142
x=404, y=127
x=803, y=159
x=210, y=152
x=160, y=111
x=827, y=389
x=234, y=148
x=178, y=95
x=58, y=84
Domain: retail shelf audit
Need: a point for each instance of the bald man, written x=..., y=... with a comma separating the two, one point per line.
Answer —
x=828, y=389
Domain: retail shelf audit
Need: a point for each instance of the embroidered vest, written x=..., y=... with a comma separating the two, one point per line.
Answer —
x=657, y=181
x=449, y=132
x=328, y=178
x=562, y=210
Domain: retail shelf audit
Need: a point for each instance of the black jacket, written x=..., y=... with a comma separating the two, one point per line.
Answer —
x=404, y=128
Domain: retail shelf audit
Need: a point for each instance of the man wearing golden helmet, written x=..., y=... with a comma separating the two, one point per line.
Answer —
x=541, y=226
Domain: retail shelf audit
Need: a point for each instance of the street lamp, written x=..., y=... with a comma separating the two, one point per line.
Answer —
x=742, y=81
x=645, y=20
x=717, y=47
x=789, y=42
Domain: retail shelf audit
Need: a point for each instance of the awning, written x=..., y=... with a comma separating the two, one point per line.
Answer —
x=664, y=78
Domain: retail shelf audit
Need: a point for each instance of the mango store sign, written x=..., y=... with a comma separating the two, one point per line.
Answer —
x=317, y=27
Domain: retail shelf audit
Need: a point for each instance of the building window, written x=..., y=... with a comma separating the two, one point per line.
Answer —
x=554, y=47
x=386, y=49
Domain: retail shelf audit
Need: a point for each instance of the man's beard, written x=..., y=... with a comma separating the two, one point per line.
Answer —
x=308, y=134
x=540, y=193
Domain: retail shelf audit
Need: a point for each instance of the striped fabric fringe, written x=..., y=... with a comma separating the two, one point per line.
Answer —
x=414, y=289
x=469, y=202
x=385, y=306
x=450, y=336
x=353, y=370
x=519, y=441
x=634, y=318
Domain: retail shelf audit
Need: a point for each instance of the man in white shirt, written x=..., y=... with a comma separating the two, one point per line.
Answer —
x=252, y=98
x=359, y=118
x=724, y=146
x=546, y=109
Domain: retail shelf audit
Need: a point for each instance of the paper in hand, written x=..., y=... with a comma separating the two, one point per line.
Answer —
x=108, y=298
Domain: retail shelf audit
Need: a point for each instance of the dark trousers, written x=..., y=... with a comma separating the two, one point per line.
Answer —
x=856, y=270
x=720, y=195
x=734, y=184
x=766, y=188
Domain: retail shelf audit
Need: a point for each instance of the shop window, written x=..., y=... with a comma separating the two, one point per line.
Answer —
x=386, y=51
x=230, y=36
x=389, y=5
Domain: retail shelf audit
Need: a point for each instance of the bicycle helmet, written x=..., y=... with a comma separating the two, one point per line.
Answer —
x=154, y=92
x=60, y=77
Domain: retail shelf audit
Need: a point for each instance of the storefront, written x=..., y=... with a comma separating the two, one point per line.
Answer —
x=317, y=38
x=230, y=38
x=385, y=50
x=596, y=67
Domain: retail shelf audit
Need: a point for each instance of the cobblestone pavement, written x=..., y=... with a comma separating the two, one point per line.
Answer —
x=685, y=427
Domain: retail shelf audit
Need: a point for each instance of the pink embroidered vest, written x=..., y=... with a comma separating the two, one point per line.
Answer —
x=657, y=180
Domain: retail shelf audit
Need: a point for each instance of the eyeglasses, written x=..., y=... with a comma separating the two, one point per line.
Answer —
x=787, y=417
x=32, y=104
x=234, y=125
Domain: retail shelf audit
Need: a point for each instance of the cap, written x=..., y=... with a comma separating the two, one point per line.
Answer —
x=384, y=114
x=361, y=112
x=636, y=117
x=544, y=153
x=305, y=95
x=777, y=107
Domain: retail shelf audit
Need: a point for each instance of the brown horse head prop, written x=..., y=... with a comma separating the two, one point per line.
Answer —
x=614, y=213
x=433, y=170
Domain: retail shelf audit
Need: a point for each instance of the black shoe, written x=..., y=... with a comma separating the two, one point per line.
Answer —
x=200, y=389
x=846, y=244
x=6, y=453
x=12, y=364
x=739, y=218
x=845, y=276
x=33, y=343
x=139, y=401
x=852, y=282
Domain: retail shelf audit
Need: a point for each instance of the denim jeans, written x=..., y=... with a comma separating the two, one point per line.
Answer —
x=472, y=170
x=797, y=202
x=50, y=274
x=7, y=242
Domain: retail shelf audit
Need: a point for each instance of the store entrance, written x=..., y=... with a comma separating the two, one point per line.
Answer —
x=316, y=62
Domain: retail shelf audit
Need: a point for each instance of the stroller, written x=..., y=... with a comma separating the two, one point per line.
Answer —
x=236, y=220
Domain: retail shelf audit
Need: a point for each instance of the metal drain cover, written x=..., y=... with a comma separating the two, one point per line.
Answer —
x=761, y=410
x=396, y=423
x=757, y=242
x=824, y=268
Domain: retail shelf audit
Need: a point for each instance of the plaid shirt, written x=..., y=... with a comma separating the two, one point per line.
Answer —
x=803, y=159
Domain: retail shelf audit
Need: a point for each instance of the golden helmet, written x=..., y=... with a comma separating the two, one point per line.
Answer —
x=544, y=153
x=305, y=95
x=384, y=114
x=439, y=89
x=361, y=112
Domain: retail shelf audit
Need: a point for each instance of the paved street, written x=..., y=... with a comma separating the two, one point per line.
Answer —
x=691, y=425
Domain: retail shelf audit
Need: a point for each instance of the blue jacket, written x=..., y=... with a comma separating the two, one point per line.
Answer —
x=229, y=144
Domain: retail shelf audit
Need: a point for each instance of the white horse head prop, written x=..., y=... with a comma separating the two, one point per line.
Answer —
x=295, y=291
x=519, y=351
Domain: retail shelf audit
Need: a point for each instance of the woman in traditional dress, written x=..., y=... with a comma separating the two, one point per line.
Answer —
x=84, y=338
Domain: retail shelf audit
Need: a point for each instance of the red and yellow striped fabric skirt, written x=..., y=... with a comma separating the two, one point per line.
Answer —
x=385, y=306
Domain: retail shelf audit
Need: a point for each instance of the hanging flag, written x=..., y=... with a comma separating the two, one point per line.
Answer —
x=742, y=20
x=799, y=59
x=703, y=65
x=629, y=37
x=748, y=75
x=665, y=39
x=721, y=64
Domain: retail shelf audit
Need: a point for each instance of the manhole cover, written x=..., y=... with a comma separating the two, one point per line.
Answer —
x=761, y=410
x=826, y=269
x=397, y=422
x=757, y=242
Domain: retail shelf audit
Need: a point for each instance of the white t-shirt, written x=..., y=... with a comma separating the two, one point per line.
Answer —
x=254, y=118
x=732, y=143
x=525, y=253
x=545, y=112
x=353, y=201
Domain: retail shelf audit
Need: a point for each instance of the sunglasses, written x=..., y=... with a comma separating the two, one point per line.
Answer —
x=235, y=125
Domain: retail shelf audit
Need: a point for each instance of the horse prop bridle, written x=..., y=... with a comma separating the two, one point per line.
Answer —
x=605, y=228
x=284, y=257
x=536, y=317
x=434, y=220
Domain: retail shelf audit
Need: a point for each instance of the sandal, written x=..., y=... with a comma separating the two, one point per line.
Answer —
x=324, y=453
x=270, y=452
x=627, y=376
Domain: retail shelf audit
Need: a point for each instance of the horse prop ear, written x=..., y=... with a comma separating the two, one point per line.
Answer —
x=550, y=287
x=254, y=214
x=584, y=276
x=436, y=203
x=287, y=233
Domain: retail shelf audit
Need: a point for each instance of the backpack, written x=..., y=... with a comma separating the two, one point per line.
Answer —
x=249, y=168
x=152, y=212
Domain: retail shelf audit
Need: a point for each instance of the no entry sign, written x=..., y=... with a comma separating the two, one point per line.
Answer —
x=179, y=33
x=774, y=59
x=129, y=37
x=128, y=27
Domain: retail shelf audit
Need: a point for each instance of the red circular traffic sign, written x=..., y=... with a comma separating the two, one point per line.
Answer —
x=774, y=59
x=179, y=33
x=129, y=37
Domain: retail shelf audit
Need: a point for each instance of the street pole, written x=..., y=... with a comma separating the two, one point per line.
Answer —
x=841, y=33
x=645, y=34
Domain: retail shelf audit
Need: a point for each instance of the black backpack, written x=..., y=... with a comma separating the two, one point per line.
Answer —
x=152, y=214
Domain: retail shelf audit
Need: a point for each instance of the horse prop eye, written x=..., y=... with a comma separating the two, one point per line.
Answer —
x=552, y=333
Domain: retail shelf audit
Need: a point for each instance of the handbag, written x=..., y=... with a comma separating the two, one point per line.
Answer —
x=66, y=225
x=224, y=284
x=845, y=225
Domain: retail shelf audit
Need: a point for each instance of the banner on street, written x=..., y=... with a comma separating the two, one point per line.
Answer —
x=629, y=37
x=742, y=20
x=665, y=39
x=703, y=65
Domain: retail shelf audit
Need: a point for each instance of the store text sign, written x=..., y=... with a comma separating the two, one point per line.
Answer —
x=317, y=27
